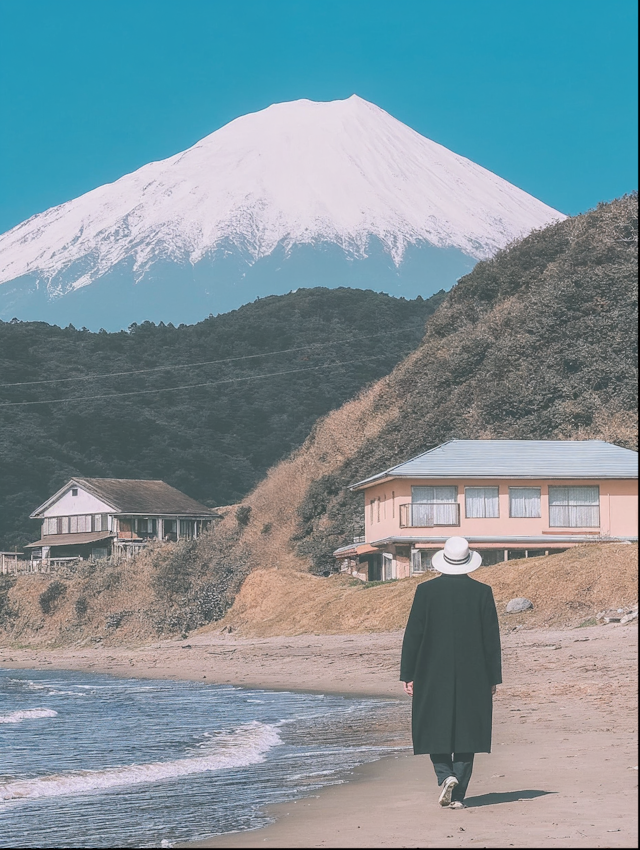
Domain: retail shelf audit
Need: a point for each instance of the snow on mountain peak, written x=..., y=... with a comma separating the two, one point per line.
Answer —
x=301, y=172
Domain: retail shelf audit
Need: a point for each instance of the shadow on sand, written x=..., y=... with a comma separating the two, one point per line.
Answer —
x=506, y=797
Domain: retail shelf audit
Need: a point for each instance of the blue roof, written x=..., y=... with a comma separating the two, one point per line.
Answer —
x=517, y=459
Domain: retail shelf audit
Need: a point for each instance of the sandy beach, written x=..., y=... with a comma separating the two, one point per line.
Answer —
x=563, y=771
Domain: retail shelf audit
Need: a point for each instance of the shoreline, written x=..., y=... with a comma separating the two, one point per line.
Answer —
x=560, y=775
x=298, y=664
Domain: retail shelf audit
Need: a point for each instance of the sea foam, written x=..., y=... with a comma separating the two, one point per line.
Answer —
x=27, y=714
x=247, y=745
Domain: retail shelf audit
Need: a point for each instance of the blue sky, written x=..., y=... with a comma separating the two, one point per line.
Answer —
x=543, y=93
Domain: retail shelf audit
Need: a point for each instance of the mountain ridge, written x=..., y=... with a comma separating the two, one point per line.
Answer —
x=301, y=174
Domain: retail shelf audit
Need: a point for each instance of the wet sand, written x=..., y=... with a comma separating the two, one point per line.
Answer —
x=563, y=772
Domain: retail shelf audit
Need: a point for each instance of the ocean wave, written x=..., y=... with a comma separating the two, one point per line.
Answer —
x=312, y=774
x=27, y=714
x=245, y=746
x=54, y=693
x=50, y=690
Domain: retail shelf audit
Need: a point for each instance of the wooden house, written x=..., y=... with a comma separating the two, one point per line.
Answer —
x=103, y=517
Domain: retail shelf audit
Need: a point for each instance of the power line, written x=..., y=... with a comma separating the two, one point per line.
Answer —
x=156, y=368
x=190, y=386
x=311, y=345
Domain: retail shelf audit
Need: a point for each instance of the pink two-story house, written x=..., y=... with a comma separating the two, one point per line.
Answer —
x=509, y=498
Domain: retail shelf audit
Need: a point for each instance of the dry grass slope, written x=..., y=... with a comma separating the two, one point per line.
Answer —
x=273, y=519
x=166, y=590
x=566, y=590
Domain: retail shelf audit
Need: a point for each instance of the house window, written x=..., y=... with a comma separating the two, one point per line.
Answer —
x=574, y=507
x=421, y=561
x=125, y=527
x=374, y=570
x=74, y=491
x=187, y=528
x=481, y=502
x=50, y=526
x=75, y=524
x=169, y=529
x=434, y=506
x=146, y=527
x=371, y=504
x=524, y=502
x=388, y=567
x=491, y=556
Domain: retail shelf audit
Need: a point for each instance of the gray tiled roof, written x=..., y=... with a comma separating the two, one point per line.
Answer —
x=71, y=539
x=136, y=496
x=517, y=459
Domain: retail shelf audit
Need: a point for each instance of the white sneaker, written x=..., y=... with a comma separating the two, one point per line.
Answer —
x=447, y=790
x=457, y=804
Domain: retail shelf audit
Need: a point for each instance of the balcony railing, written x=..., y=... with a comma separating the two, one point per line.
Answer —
x=429, y=514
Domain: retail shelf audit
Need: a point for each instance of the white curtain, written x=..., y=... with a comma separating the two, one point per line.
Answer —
x=186, y=528
x=481, y=501
x=574, y=507
x=416, y=562
x=387, y=567
x=524, y=502
x=50, y=525
x=421, y=560
x=434, y=506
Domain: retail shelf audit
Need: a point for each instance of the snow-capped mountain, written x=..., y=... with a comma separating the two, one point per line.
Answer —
x=301, y=193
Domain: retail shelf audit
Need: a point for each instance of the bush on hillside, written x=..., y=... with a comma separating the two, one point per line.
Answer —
x=243, y=514
x=7, y=612
x=49, y=598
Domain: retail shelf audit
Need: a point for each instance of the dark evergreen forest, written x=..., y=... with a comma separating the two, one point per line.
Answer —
x=206, y=407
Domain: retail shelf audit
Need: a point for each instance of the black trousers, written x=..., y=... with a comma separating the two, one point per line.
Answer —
x=459, y=765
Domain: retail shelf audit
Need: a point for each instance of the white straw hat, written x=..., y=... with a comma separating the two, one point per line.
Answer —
x=456, y=559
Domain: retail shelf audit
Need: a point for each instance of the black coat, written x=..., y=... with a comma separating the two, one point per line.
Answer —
x=451, y=653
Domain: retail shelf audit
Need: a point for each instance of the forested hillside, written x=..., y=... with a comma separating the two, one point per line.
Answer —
x=206, y=407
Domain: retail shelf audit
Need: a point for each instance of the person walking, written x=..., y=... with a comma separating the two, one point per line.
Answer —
x=451, y=665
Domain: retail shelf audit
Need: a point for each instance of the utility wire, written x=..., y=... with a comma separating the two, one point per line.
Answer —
x=312, y=345
x=190, y=386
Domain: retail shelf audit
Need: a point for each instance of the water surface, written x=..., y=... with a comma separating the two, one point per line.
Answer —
x=95, y=761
